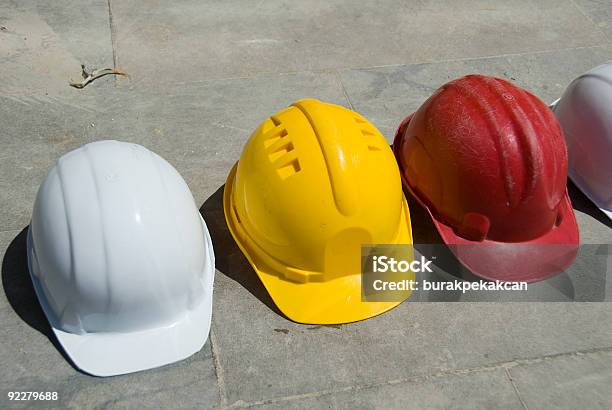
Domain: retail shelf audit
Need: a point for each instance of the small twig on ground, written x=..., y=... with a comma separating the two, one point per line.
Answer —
x=88, y=77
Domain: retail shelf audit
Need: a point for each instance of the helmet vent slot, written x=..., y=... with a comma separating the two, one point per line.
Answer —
x=289, y=169
x=281, y=151
x=367, y=133
x=274, y=136
x=275, y=120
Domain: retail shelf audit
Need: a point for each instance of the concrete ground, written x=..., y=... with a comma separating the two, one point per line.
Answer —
x=204, y=74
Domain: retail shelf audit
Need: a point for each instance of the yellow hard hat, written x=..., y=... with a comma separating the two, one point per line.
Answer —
x=314, y=183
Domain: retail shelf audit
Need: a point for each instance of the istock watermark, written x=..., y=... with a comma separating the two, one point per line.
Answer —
x=391, y=273
x=384, y=264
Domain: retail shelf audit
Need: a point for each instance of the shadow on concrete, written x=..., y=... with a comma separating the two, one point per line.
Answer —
x=20, y=291
x=583, y=204
x=229, y=259
x=428, y=242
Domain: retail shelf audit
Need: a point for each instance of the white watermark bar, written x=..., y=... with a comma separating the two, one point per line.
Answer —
x=393, y=273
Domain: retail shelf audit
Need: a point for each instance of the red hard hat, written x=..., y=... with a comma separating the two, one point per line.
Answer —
x=488, y=161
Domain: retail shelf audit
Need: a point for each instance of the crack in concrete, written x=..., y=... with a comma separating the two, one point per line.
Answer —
x=444, y=373
x=341, y=84
x=113, y=34
x=515, y=388
x=214, y=347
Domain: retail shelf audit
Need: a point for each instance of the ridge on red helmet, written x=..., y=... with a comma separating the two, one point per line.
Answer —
x=488, y=161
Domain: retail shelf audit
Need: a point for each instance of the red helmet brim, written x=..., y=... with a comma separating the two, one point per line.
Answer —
x=529, y=261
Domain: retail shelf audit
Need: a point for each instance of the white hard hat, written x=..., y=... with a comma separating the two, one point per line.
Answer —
x=585, y=114
x=121, y=260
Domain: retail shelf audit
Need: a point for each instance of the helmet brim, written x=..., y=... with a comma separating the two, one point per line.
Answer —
x=114, y=353
x=322, y=303
x=335, y=301
x=528, y=261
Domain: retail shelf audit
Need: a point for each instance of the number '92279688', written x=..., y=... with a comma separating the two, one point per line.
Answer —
x=32, y=395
